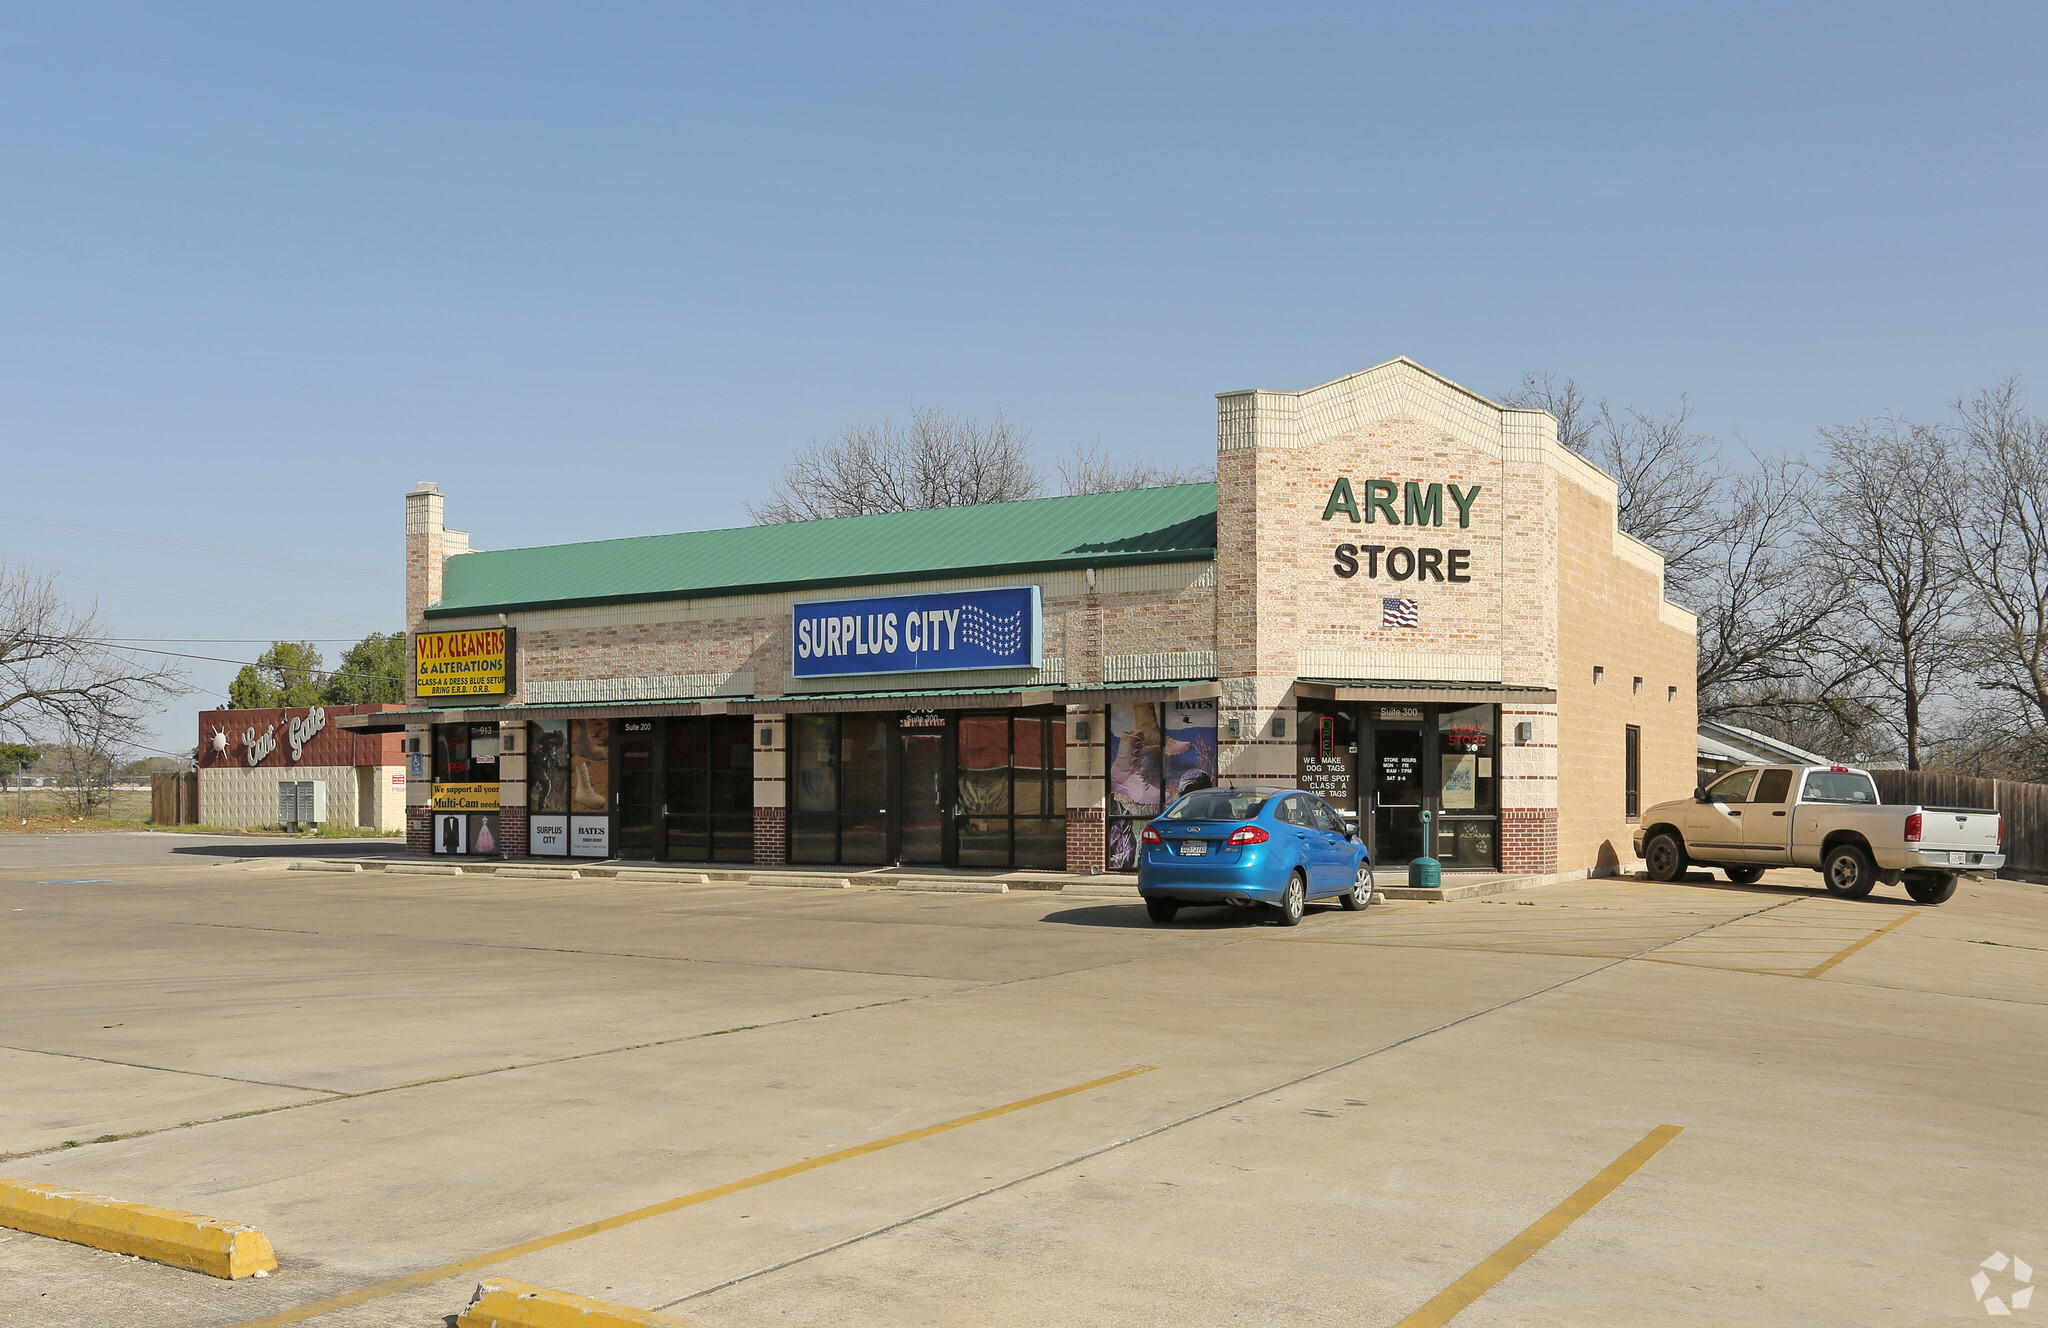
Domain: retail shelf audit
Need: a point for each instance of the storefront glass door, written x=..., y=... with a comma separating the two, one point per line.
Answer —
x=922, y=798
x=1395, y=776
x=636, y=790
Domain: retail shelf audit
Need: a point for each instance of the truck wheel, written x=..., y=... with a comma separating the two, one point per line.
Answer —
x=1848, y=872
x=1936, y=889
x=1664, y=857
x=1744, y=875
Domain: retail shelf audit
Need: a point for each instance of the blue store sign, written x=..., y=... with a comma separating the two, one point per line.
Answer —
x=959, y=629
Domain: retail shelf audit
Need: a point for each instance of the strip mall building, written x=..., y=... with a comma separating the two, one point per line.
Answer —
x=1397, y=593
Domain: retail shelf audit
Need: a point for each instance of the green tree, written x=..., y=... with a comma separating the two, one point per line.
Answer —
x=16, y=757
x=288, y=674
x=371, y=672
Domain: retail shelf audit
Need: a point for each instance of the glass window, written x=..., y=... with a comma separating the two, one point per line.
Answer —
x=984, y=766
x=1218, y=805
x=1839, y=786
x=1327, y=757
x=1632, y=771
x=1154, y=753
x=451, y=752
x=864, y=787
x=1734, y=787
x=1466, y=778
x=547, y=767
x=1773, y=787
x=590, y=766
x=483, y=753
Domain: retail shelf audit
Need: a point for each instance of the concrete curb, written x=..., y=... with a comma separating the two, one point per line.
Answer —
x=162, y=1235
x=1100, y=890
x=540, y=873
x=803, y=882
x=325, y=866
x=422, y=869
x=658, y=876
x=499, y=1302
x=951, y=885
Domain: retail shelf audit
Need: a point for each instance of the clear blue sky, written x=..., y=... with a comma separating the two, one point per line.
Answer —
x=597, y=268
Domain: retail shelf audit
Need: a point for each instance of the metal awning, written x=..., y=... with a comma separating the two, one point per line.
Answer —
x=935, y=698
x=1396, y=690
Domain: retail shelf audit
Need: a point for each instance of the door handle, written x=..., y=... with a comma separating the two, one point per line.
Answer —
x=1777, y=813
x=1735, y=813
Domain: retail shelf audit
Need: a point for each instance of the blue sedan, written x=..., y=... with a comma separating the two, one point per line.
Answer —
x=1247, y=846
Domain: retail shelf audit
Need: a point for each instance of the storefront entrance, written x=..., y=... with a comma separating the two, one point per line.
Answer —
x=935, y=789
x=1382, y=766
x=684, y=789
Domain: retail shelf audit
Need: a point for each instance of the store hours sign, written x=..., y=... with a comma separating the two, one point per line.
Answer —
x=959, y=629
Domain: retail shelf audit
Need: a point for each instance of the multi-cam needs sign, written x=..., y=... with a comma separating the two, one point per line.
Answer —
x=473, y=663
x=959, y=629
x=465, y=797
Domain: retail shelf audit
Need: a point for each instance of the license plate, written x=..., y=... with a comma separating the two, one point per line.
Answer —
x=1194, y=848
x=1958, y=859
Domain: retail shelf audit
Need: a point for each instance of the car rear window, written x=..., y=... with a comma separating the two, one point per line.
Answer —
x=1839, y=786
x=1217, y=805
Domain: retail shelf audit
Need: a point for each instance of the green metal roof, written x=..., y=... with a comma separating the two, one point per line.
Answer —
x=1173, y=524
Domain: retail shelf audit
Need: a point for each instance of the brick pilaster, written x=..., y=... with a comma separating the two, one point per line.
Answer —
x=1086, y=847
x=771, y=838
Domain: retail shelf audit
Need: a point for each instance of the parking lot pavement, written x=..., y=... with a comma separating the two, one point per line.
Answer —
x=754, y=1105
x=136, y=848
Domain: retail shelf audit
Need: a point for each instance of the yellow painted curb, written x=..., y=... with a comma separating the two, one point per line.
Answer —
x=182, y=1240
x=500, y=1302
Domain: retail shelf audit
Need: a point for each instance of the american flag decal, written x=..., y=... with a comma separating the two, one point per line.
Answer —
x=1399, y=613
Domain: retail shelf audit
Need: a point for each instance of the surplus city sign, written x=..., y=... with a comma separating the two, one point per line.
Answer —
x=961, y=629
x=1419, y=505
x=477, y=663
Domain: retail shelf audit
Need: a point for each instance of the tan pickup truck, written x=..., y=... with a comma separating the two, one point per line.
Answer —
x=1824, y=817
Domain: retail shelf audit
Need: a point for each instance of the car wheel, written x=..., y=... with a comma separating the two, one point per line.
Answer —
x=1931, y=889
x=1162, y=910
x=1848, y=872
x=1664, y=857
x=1744, y=875
x=1295, y=901
x=1360, y=893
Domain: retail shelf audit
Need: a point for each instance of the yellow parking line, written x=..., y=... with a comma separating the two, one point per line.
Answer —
x=1452, y=1300
x=1840, y=955
x=447, y=1270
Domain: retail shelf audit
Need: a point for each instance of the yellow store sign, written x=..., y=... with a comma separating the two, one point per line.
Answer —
x=475, y=663
x=465, y=797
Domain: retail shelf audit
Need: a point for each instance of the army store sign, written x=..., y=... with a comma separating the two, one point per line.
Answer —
x=475, y=663
x=1400, y=504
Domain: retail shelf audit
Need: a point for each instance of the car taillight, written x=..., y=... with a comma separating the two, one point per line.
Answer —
x=1151, y=835
x=2001, y=834
x=1913, y=828
x=1247, y=834
x=1838, y=769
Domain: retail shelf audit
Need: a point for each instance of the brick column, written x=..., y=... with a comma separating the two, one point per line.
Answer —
x=771, y=790
x=513, y=840
x=1087, y=846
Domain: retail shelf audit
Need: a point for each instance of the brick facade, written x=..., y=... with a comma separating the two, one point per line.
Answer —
x=1533, y=588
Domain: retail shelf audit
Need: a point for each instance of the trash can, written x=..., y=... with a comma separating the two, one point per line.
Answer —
x=1425, y=872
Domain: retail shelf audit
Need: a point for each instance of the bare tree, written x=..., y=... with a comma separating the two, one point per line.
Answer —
x=1665, y=473
x=59, y=675
x=1995, y=518
x=1876, y=520
x=1760, y=604
x=937, y=460
x=1092, y=470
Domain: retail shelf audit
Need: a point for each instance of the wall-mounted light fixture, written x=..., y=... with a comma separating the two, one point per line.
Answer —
x=1081, y=730
x=1235, y=726
x=1279, y=727
x=1525, y=732
x=767, y=736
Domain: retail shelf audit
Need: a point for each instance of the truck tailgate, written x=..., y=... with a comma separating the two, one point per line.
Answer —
x=1958, y=829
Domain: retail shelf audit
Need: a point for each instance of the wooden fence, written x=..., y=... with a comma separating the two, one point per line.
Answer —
x=2024, y=806
x=174, y=799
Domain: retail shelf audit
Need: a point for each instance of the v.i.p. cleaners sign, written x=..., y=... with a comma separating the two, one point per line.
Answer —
x=959, y=629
